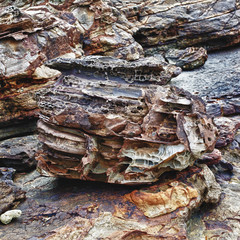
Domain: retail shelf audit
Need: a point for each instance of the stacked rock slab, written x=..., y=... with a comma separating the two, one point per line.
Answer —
x=96, y=126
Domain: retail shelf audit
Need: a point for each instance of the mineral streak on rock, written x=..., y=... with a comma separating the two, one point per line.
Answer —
x=126, y=222
x=116, y=132
x=183, y=192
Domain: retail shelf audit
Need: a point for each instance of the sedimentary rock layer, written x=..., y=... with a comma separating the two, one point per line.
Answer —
x=94, y=128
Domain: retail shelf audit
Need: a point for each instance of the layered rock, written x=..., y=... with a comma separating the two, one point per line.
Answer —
x=188, y=58
x=11, y=195
x=96, y=210
x=218, y=84
x=94, y=128
x=64, y=208
x=178, y=24
x=19, y=152
x=33, y=32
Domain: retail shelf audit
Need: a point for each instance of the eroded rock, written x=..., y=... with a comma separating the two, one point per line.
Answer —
x=11, y=195
x=182, y=192
x=149, y=70
x=19, y=152
x=167, y=24
x=188, y=58
x=116, y=132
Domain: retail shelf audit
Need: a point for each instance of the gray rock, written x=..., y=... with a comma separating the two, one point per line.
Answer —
x=19, y=152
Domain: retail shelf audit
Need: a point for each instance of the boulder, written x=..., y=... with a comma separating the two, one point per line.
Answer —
x=95, y=126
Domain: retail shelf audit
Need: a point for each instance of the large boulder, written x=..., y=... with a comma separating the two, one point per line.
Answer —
x=95, y=126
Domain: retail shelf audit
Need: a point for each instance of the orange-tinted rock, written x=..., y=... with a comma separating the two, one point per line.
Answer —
x=185, y=191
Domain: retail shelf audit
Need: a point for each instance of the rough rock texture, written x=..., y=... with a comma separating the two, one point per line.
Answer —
x=19, y=152
x=182, y=192
x=117, y=27
x=217, y=82
x=90, y=210
x=11, y=195
x=188, y=58
x=97, y=129
x=35, y=31
x=165, y=24
x=148, y=70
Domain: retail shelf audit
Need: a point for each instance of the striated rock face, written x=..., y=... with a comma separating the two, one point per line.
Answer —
x=112, y=215
x=97, y=129
x=166, y=24
x=35, y=31
x=148, y=70
x=183, y=191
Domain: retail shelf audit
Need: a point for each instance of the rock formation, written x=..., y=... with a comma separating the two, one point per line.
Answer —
x=19, y=152
x=94, y=128
x=11, y=195
x=108, y=119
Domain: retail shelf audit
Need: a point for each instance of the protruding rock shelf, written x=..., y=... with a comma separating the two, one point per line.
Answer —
x=94, y=128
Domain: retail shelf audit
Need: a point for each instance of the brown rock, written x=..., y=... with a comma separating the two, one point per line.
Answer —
x=11, y=195
x=116, y=132
x=183, y=192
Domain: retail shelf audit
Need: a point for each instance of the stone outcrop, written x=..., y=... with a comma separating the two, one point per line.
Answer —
x=94, y=128
x=178, y=24
x=60, y=209
x=11, y=195
x=120, y=127
x=188, y=58
x=35, y=31
x=19, y=152
x=182, y=192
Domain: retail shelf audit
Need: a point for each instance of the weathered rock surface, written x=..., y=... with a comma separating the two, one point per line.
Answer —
x=121, y=29
x=35, y=31
x=96, y=210
x=94, y=128
x=188, y=58
x=182, y=192
x=19, y=153
x=148, y=70
x=167, y=24
x=11, y=195
x=217, y=82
